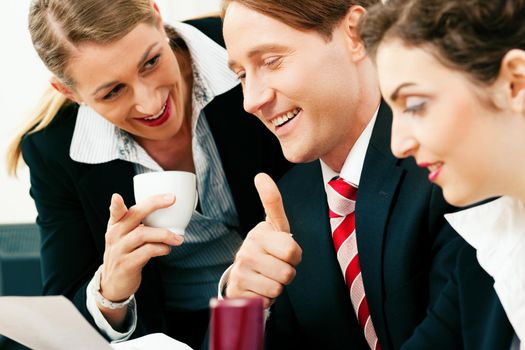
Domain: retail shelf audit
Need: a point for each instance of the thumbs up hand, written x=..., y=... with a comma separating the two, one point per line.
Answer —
x=272, y=202
x=266, y=261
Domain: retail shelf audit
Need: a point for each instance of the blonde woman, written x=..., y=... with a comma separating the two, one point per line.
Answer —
x=131, y=95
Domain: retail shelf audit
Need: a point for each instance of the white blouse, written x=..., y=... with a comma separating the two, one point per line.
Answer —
x=497, y=231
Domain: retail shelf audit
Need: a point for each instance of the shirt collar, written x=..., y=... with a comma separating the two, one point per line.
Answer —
x=96, y=140
x=209, y=59
x=497, y=231
x=487, y=225
x=353, y=165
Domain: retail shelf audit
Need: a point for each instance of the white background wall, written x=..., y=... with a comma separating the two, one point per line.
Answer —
x=22, y=80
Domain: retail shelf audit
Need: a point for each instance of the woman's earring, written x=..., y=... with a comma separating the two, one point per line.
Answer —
x=167, y=39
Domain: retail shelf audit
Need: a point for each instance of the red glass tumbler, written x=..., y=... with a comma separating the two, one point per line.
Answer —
x=236, y=324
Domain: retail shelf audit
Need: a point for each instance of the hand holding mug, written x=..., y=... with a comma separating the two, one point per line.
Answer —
x=129, y=246
x=165, y=204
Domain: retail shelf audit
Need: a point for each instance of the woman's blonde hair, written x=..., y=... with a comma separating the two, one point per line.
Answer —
x=57, y=27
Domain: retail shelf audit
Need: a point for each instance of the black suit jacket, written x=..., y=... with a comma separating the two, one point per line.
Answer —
x=406, y=251
x=468, y=315
x=72, y=198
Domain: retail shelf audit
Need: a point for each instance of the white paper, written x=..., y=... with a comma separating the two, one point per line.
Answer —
x=47, y=323
x=54, y=323
x=156, y=341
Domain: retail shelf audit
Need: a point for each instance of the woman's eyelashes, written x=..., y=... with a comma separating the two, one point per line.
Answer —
x=114, y=92
x=148, y=66
x=415, y=105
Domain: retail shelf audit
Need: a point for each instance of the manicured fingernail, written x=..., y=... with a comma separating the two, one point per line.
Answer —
x=169, y=197
x=178, y=238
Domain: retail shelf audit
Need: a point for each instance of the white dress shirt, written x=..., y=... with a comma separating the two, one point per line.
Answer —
x=353, y=165
x=497, y=231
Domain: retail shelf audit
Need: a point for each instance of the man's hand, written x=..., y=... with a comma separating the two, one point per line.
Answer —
x=266, y=261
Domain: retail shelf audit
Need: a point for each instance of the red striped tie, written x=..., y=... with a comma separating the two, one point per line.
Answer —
x=341, y=197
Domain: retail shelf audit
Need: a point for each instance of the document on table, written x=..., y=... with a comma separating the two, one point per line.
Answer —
x=151, y=341
x=53, y=323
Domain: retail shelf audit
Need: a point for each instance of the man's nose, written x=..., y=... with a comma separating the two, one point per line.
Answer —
x=256, y=95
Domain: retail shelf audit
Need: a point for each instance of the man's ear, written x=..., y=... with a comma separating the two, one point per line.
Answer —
x=512, y=78
x=64, y=90
x=351, y=24
x=157, y=13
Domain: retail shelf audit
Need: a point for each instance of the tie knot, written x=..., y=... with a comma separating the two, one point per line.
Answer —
x=341, y=197
x=343, y=188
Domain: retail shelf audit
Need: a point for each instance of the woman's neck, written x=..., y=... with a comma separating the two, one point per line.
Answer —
x=176, y=153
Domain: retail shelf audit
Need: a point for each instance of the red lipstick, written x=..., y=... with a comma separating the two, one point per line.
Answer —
x=160, y=119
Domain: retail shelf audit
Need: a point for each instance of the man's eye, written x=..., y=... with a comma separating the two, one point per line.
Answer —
x=272, y=62
x=241, y=75
x=152, y=62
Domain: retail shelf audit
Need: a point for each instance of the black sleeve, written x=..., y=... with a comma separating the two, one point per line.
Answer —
x=441, y=327
x=445, y=245
x=282, y=329
x=467, y=314
x=68, y=255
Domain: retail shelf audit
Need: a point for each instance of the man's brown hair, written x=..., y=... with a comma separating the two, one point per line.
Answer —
x=317, y=15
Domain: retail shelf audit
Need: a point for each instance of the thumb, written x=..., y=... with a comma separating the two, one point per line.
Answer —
x=117, y=209
x=272, y=202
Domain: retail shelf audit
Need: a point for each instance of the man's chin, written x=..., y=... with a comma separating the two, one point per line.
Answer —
x=296, y=157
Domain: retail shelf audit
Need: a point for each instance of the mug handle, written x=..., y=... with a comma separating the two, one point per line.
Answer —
x=196, y=200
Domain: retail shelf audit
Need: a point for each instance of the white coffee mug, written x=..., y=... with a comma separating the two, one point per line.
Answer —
x=182, y=184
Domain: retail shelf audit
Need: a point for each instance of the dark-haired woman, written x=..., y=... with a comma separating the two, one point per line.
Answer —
x=454, y=74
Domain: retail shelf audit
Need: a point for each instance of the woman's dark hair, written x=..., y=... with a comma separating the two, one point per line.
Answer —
x=471, y=36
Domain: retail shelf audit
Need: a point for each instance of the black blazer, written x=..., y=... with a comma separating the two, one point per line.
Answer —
x=72, y=198
x=468, y=315
x=406, y=250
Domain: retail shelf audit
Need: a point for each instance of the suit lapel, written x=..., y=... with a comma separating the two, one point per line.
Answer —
x=318, y=293
x=380, y=178
x=107, y=178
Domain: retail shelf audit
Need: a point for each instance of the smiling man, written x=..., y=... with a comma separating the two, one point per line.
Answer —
x=369, y=250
